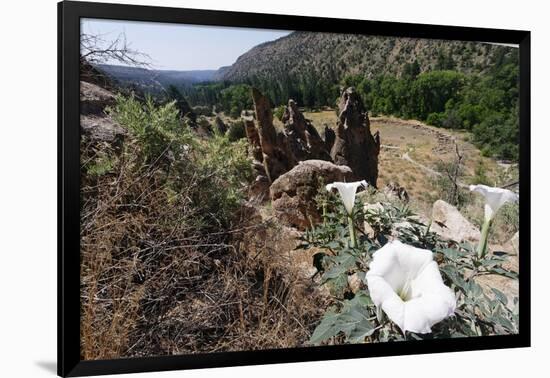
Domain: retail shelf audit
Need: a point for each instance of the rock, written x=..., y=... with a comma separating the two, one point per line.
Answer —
x=450, y=224
x=355, y=283
x=101, y=129
x=303, y=139
x=94, y=99
x=514, y=242
x=259, y=189
x=393, y=189
x=276, y=155
x=330, y=136
x=511, y=247
x=255, y=150
x=354, y=144
x=292, y=194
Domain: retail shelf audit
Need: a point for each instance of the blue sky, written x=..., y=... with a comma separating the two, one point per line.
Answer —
x=183, y=47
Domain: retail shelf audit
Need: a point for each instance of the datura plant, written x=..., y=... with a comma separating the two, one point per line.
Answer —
x=405, y=283
x=347, y=192
x=495, y=198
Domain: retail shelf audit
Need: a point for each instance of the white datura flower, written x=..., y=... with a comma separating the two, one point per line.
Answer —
x=494, y=198
x=347, y=192
x=405, y=283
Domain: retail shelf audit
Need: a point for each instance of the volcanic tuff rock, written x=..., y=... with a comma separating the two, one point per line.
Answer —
x=96, y=126
x=304, y=140
x=276, y=155
x=450, y=224
x=354, y=145
x=94, y=99
x=292, y=194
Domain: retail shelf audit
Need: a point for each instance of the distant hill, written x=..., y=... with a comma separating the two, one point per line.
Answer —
x=332, y=56
x=328, y=55
x=154, y=80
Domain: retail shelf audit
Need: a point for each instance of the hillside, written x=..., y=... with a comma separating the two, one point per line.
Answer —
x=154, y=80
x=335, y=55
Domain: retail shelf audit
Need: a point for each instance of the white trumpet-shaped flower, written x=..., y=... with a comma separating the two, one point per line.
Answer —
x=405, y=283
x=347, y=192
x=494, y=198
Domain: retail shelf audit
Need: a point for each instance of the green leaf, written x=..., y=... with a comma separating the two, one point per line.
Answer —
x=326, y=329
x=504, y=272
x=500, y=296
x=454, y=276
x=361, y=299
x=355, y=325
x=450, y=253
x=343, y=263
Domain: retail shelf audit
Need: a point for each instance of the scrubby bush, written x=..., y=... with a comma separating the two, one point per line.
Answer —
x=236, y=131
x=159, y=130
x=156, y=232
x=279, y=111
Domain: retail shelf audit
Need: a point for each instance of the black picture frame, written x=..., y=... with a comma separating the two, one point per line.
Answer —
x=69, y=15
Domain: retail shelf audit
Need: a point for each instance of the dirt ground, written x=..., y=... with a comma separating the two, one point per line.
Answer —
x=411, y=151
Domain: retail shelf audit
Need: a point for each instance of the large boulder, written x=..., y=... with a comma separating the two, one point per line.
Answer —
x=98, y=129
x=354, y=144
x=94, y=99
x=450, y=224
x=292, y=194
x=95, y=125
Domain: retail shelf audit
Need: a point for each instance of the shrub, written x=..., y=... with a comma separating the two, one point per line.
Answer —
x=159, y=130
x=279, y=111
x=236, y=131
x=156, y=235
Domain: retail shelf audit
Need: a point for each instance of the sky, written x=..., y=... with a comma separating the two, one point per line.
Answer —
x=183, y=47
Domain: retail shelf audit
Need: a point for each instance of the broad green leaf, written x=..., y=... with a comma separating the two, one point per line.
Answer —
x=326, y=329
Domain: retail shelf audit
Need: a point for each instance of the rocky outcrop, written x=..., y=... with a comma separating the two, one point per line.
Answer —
x=282, y=150
x=276, y=156
x=330, y=137
x=94, y=99
x=293, y=193
x=101, y=129
x=354, y=144
x=95, y=125
x=449, y=223
x=255, y=149
x=303, y=139
x=278, y=152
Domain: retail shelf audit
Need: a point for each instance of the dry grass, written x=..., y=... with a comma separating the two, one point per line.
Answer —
x=155, y=283
x=426, y=145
